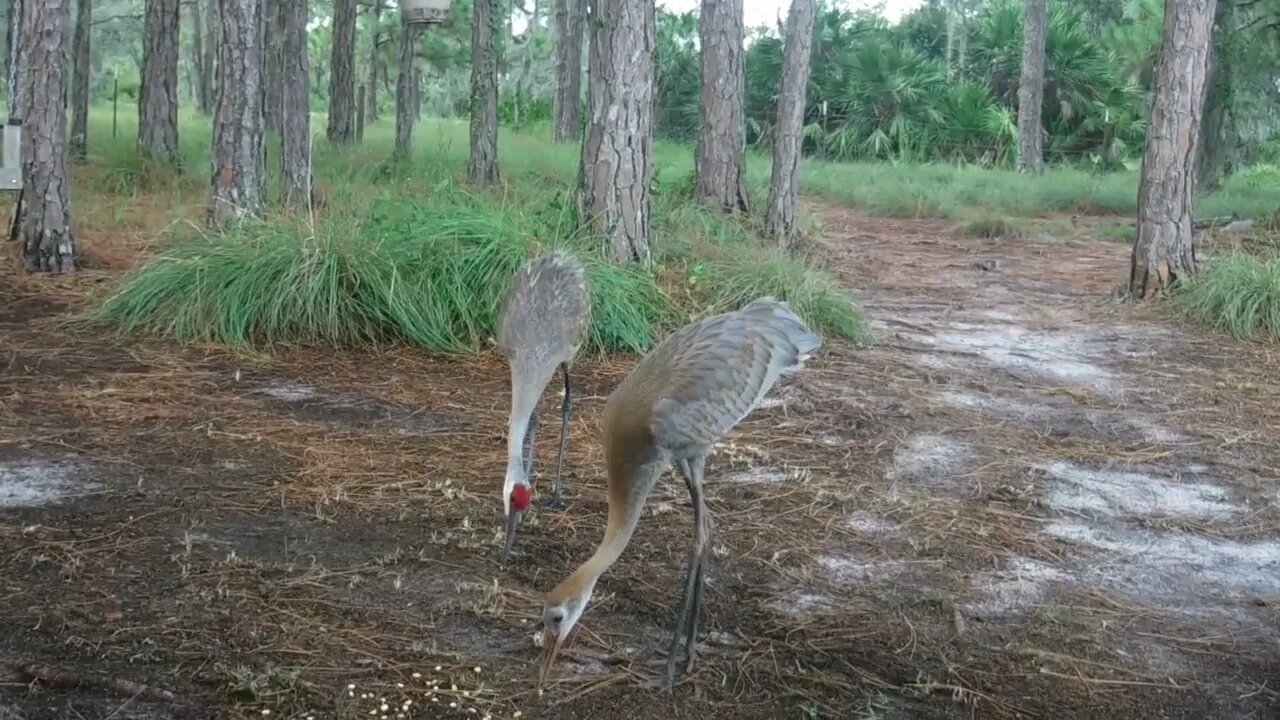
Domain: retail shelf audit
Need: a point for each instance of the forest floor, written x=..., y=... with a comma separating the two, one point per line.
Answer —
x=1024, y=501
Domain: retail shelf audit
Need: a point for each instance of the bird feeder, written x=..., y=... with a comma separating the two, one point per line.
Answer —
x=11, y=170
x=425, y=12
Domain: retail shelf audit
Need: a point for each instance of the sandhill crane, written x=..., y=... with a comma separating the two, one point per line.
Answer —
x=544, y=319
x=690, y=390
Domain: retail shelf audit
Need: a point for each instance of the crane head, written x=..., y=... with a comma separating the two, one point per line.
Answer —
x=519, y=497
x=560, y=613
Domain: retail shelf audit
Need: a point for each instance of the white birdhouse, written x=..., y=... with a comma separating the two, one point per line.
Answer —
x=11, y=170
x=425, y=12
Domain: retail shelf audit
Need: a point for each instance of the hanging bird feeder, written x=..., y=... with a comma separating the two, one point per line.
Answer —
x=425, y=12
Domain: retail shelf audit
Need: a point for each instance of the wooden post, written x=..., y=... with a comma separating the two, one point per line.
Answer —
x=115, y=108
x=361, y=108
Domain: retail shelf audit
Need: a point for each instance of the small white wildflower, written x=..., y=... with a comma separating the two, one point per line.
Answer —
x=476, y=669
x=265, y=712
x=417, y=676
x=399, y=685
x=453, y=704
x=351, y=686
x=438, y=668
x=384, y=707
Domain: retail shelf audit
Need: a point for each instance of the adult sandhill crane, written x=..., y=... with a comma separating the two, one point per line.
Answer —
x=690, y=390
x=544, y=319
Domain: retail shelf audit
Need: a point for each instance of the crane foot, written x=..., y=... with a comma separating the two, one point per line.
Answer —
x=555, y=501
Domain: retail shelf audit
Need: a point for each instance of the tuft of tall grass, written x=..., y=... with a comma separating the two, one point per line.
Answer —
x=430, y=272
x=1238, y=293
x=724, y=281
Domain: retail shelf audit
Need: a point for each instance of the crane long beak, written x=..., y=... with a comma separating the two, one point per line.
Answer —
x=513, y=521
x=551, y=649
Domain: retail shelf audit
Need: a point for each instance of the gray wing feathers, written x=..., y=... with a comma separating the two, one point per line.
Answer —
x=546, y=312
x=720, y=368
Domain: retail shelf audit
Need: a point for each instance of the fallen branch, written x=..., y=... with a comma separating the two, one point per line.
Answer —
x=54, y=677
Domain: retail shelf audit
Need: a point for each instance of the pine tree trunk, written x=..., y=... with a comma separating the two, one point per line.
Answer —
x=295, y=131
x=486, y=46
x=274, y=63
x=406, y=93
x=13, y=34
x=720, y=160
x=1221, y=147
x=212, y=40
x=44, y=215
x=617, y=149
x=567, y=126
x=80, y=81
x=1165, y=251
x=781, y=218
x=342, y=74
x=1031, y=87
x=375, y=59
x=203, y=73
x=158, y=95
x=239, y=173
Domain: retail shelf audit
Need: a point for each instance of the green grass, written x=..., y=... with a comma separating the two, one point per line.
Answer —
x=1237, y=293
x=410, y=253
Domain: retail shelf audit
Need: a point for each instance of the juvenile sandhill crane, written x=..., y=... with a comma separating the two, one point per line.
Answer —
x=544, y=319
x=690, y=390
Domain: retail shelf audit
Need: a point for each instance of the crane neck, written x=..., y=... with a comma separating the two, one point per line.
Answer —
x=629, y=488
x=524, y=400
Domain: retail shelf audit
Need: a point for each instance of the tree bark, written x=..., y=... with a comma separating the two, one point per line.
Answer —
x=80, y=81
x=486, y=46
x=617, y=149
x=239, y=173
x=1221, y=144
x=567, y=125
x=212, y=40
x=158, y=95
x=204, y=73
x=720, y=161
x=375, y=59
x=781, y=221
x=1031, y=87
x=406, y=93
x=44, y=214
x=273, y=110
x=1165, y=251
x=295, y=131
x=342, y=74
x=13, y=36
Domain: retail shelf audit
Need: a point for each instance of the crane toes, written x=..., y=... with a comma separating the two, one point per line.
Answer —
x=555, y=501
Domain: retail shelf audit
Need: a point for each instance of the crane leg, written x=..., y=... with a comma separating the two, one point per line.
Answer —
x=693, y=575
x=530, y=435
x=703, y=518
x=557, y=492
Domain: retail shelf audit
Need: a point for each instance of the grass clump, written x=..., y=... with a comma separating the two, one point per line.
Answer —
x=432, y=273
x=729, y=280
x=1237, y=293
x=404, y=252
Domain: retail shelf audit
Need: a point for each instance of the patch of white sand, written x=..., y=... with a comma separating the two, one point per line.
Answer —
x=1065, y=418
x=34, y=483
x=290, y=392
x=928, y=456
x=1013, y=589
x=1056, y=355
x=1176, y=570
x=802, y=603
x=848, y=570
x=757, y=475
x=871, y=524
x=1111, y=492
